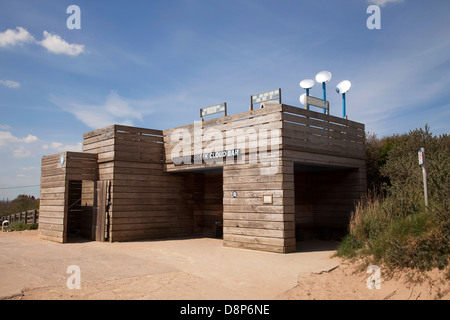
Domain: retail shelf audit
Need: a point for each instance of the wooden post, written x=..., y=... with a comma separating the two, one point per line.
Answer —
x=34, y=216
x=26, y=217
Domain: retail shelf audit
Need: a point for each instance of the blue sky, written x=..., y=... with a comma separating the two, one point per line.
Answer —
x=154, y=64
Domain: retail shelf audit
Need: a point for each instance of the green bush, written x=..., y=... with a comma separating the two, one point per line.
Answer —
x=391, y=223
x=21, y=226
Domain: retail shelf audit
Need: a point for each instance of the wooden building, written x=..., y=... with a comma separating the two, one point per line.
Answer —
x=262, y=179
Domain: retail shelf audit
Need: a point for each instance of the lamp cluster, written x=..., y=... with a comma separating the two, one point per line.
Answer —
x=324, y=77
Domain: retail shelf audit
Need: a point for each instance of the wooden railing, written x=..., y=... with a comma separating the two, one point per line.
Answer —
x=27, y=217
x=310, y=131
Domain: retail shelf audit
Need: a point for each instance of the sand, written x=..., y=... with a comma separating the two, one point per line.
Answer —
x=196, y=269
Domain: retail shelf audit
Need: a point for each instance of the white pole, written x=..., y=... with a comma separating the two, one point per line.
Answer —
x=424, y=173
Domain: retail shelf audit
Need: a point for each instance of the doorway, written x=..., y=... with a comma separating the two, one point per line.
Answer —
x=207, y=204
x=79, y=215
x=87, y=210
x=324, y=199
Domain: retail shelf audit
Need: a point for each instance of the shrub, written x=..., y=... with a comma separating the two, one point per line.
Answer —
x=391, y=223
x=21, y=226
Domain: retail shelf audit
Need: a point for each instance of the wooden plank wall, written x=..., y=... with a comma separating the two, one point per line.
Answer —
x=152, y=198
x=314, y=132
x=300, y=130
x=147, y=203
x=247, y=222
x=250, y=224
x=53, y=199
x=306, y=137
x=54, y=190
x=236, y=131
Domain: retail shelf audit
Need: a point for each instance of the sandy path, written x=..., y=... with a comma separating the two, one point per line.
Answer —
x=194, y=269
x=170, y=269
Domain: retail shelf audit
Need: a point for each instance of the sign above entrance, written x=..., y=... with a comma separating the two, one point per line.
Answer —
x=207, y=157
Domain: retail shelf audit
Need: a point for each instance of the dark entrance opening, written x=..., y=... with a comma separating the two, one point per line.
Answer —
x=324, y=199
x=80, y=210
x=207, y=202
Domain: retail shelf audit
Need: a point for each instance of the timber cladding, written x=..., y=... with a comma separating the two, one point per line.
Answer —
x=146, y=202
x=256, y=178
x=293, y=136
x=296, y=130
x=56, y=173
x=248, y=222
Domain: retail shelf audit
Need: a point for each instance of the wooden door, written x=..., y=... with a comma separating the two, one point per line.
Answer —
x=100, y=218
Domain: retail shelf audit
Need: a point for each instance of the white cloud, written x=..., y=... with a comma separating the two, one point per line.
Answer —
x=12, y=37
x=32, y=147
x=52, y=42
x=61, y=147
x=7, y=137
x=114, y=110
x=30, y=139
x=55, y=44
x=21, y=152
x=10, y=84
x=382, y=3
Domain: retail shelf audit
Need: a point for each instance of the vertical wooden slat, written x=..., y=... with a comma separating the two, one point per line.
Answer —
x=100, y=210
